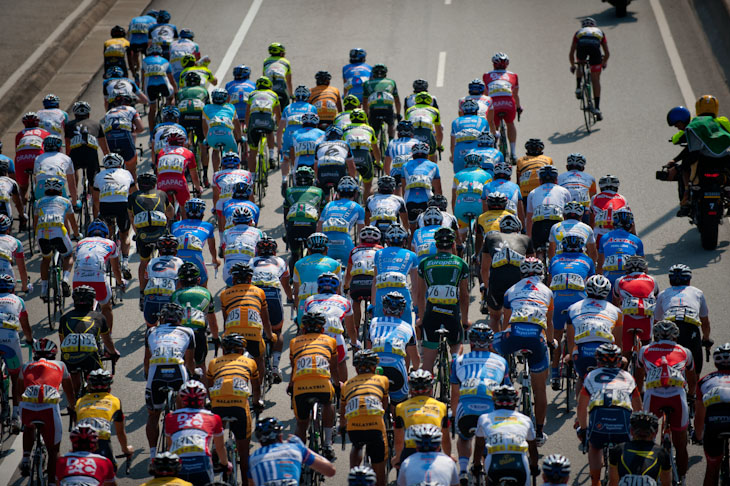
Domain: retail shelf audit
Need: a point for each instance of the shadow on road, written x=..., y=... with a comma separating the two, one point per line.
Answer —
x=607, y=18
x=569, y=137
x=677, y=251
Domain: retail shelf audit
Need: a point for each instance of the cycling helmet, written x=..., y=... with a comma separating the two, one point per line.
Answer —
x=187, y=61
x=665, y=331
x=163, y=17
x=502, y=170
x=358, y=116
x=379, y=71
x=167, y=244
x=433, y=217
x=358, y=54
x=420, y=382
x=187, y=34
x=531, y=266
x=84, y=437
x=333, y=132
x=347, y=186
x=623, y=218
x=171, y=313
x=394, y=304
x=31, y=120
x=230, y=160
x=426, y=436
x=44, y=348
x=302, y=93
x=263, y=83
x=420, y=85
x=122, y=99
x=276, y=49
x=706, y=105
x=470, y=107
x=572, y=243
x=310, y=120
x=370, y=234
x=241, y=190
x=81, y=108
x=645, y=421
x=113, y=161
x=635, y=263
x=534, y=146
x=588, y=22
x=510, y=224
x=486, y=139
x=192, y=79
x=350, y=102
x=268, y=431
x=304, y=176
x=154, y=50
x=233, y=342
x=598, y=287
x=496, y=200
x=424, y=98
x=608, y=355
x=500, y=60
x=171, y=112
x=504, y=396
x=328, y=283
x=241, y=273
x=51, y=101
x=444, y=237
x=4, y=164
x=176, y=138
x=472, y=160
x=721, y=356
x=556, y=468
x=83, y=296
x=680, y=274
x=386, y=184
x=52, y=143
x=114, y=72
x=313, y=322
x=317, y=242
x=99, y=228
x=361, y=475
x=165, y=464
x=573, y=210
x=188, y=274
x=420, y=150
x=678, y=114
x=576, y=161
x=548, y=173
x=7, y=282
x=476, y=87
x=5, y=221
x=118, y=31
x=219, y=96
x=266, y=246
x=405, y=128
x=609, y=183
x=242, y=215
x=53, y=184
x=437, y=201
x=396, y=234
x=99, y=380
x=365, y=361
x=241, y=72
x=322, y=77
x=480, y=335
x=193, y=394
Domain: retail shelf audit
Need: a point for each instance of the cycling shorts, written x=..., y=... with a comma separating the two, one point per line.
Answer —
x=61, y=244
x=193, y=124
x=116, y=211
x=398, y=390
x=164, y=376
x=116, y=62
x=643, y=326
x=241, y=428
x=50, y=415
x=157, y=91
x=86, y=159
x=138, y=46
x=10, y=350
x=201, y=345
x=414, y=209
x=280, y=90
x=563, y=300
x=197, y=469
x=364, y=163
x=495, y=293
x=541, y=232
x=361, y=287
x=224, y=137
x=374, y=441
x=258, y=124
x=460, y=210
x=717, y=421
x=506, y=106
x=81, y=362
x=330, y=175
x=467, y=416
x=690, y=338
x=679, y=419
x=297, y=235
x=426, y=135
x=521, y=336
x=175, y=186
x=592, y=53
x=152, y=306
x=145, y=248
x=608, y=425
x=25, y=160
x=304, y=402
x=432, y=321
x=276, y=309
x=103, y=290
x=584, y=357
x=121, y=142
x=104, y=448
x=512, y=465
x=379, y=115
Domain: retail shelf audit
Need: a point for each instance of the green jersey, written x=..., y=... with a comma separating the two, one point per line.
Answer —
x=192, y=99
x=302, y=204
x=380, y=93
x=197, y=303
x=443, y=272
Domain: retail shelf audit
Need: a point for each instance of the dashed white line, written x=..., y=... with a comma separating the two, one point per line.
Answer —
x=440, y=70
x=238, y=40
x=684, y=86
x=447, y=2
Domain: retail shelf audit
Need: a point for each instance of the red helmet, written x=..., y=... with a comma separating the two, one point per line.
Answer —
x=44, y=348
x=84, y=438
x=176, y=138
x=31, y=120
x=193, y=394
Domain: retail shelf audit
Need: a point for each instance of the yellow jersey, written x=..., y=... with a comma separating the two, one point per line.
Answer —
x=99, y=410
x=527, y=172
x=231, y=376
x=310, y=356
x=116, y=47
x=363, y=397
x=242, y=306
x=489, y=220
x=420, y=410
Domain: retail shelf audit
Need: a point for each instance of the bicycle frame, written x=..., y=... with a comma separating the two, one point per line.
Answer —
x=231, y=450
x=30, y=208
x=725, y=465
x=443, y=363
x=169, y=407
x=39, y=457
x=586, y=100
x=666, y=442
x=526, y=385
x=56, y=301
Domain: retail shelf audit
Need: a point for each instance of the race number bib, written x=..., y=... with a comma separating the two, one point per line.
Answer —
x=389, y=280
x=79, y=343
x=312, y=366
x=442, y=294
x=363, y=405
x=567, y=281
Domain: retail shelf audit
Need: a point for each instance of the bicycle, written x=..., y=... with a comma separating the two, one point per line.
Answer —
x=606, y=466
x=30, y=209
x=666, y=443
x=315, y=442
x=442, y=388
x=470, y=249
x=170, y=399
x=55, y=300
x=38, y=457
x=382, y=136
x=586, y=97
x=725, y=464
x=262, y=169
x=231, y=451
x=568, y=377
x=5, y=406
x=85, y=216
x=525, y=385
x=267, y=380
x=504, y=146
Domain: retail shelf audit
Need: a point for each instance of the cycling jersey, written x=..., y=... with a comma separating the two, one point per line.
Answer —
x=139, y=28
x=276, y=68
x=640, y=457
x=505, y=432
x=594, y=321
x=192, y=236
x=52, y=120
x=530, y=300
x=190, y=102
x=51, y=212
x=420, y=410
x=90, y=258
x=469, y=185
x=400, y=146
x=161, y=274
x=385, y=209
x=12, y=309
x=306, y=272
x=363, y=397
x=354, y=76
x=393, y=265
x=304, y=144
x=239, y=246
x=219, y=119
x=167, y=481
x=500, y=84
x=610, y=392
x=160, y=133
x=580, y=184
x=484, y=102
x=99, y=410
x=113, y=185
x=41, y=396
x=380, y=93
x=509, y=189
x=335, y=308
x=84, y=135
x=442, y=274
x=489, y=220
x=428, y=467
x=362, y=269
x=464, y=132
x=637, y=294
x=11, y=250
x=546, y=202
x=243, y=306
x=714, y=392
x=225, y=180
x=167, y=346
x=569, y=272
x=424, y=242
x=230, y=377
x=615, y=246
x=331, y=158
x=155, y=70
x=116, y=48
x=390, y=336
x=191, y=431
x=280, y=461
x=310, y=355
x=570, y=227
x=268, y=271
x=325, y=98
x=230, y=206
x=28, y=146
x=163, y=35
x=602, y=207
x=179, y=48
x=418, y=176
x=119, y=119
x=528, y=168
x=292, y=115
x=262, y=102
x=114, y=87
x=51, y=164
x=149, y=218
x=206, y=75
x=82, y=467
x=490, y=157
x=507, y=251
x=238, y=93
x=80, y=335
x=681, y=303
x=197, y=304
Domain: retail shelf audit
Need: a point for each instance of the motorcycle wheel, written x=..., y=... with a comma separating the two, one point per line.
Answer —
x=621, y=7
x=708, y=234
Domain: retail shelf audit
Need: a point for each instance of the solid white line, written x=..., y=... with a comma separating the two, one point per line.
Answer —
x=41, y=49
x=447, y=2
x=237, y=40
x=440, y=70
x=684, y=86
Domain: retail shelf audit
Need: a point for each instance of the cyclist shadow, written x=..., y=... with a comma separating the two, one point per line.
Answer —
x=569, y=137
x=557, y=414
x=583, y=476
x=608, y=20
x=135, y=420
x=686, y=249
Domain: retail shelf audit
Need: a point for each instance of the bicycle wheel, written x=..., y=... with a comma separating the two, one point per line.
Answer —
x=587, y=103
x=51, y=303
x=569, y=384
x=261, y=169
x=383, y=146
x=29, y=224
x=60, y=301
x=503, y=141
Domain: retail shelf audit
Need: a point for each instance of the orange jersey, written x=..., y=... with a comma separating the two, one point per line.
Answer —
x=242, y=306
x=325, y=99
x=310, y=356
x=527, y=172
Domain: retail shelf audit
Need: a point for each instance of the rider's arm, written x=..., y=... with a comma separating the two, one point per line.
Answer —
x=591, y=250
x=464, y=302
x=550, y=331
x=284, y=279
x=479, y=443
x=25, y=325
x=213, y=250
x=71, y=220
x=440, y=134
x=570, y=337
x=516, y=96
x=613, y=475
x=280, y=132
x=146, y=361
x=277, y=113
x=606, y=54
x=521, y=211
x=571, y=54
x=528, y=224
x=704, y=320
x=20, y=261
x=348, y=276
x=220, y=449
x=599, y=263
x=412, y=354
x=636, y=403
x=490, y=121
x=665, y=477
x=190, y=359
x=532, y=452
x=454, y=394
x=116, y=269
x=691, y=379
x=122, y=436
x=350, y=326
x=171, y=79
x=267, y=323
x=71, y=180
x=421, y=298
x=437, y=186
x=397, y=103
x=68, y=389
x=582, y=409
x=107, y=340
x=334, y=368
x=138, y=128
x=376, y=150
x=322, y=465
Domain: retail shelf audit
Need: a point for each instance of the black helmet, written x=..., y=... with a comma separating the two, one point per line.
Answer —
x=83, y=296
x=504, y=396
x=233, y=343
x=171, y=313
x=147, y=181
x=317, y=242
x=365, y=361
x=548, y=173
x=167, y=244
x=379, y=71
x=439, y=201
x=322, y=77
x=118, y=31
x=644, y=421
x=534, y=146
x=444, y=237
x=420, y=85
x=386, y=184
x=268, y=430
x=304, y=176
x=361, y=475
x=241, y=273
x=165, y=464
x=266, y=246
x=572, y=243
x=358, y=54
x=313, y=322
x=188, y=274
x=405, y=128
x=608, y=355
x=394, y=304
x=192, y=79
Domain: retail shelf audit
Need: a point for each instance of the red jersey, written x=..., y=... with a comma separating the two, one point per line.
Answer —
x=192, y=430
x=637, y=294
x=29, y=143
x=500, y=82
x=172, y=163
x=603, y=205
x=44, y=372
x=84, y=468
x=666, y=363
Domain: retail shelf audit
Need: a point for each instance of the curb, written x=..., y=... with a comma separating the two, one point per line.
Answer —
x=714, y=15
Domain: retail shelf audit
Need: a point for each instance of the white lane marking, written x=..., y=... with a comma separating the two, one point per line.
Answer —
x=440, y=70
x=447, y=2
x=237, y=40
x=41, y=49
x=684, y=86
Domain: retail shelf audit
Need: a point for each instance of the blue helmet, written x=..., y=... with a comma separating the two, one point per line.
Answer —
x=7, y=283
x=678, y=114
x=480, y=335
x=394, y=304
x=51, y=101
x=241, y=190
x=572, y=243
x=623, y=218
x=476, y=87
x=230, y=160
x=358, y=55
x=241, y=72
x=163, y=16
x=486, y=139
x=328, y=283
x=333, y=132
x=187, y=34
x=195, y=208
x=98, y=228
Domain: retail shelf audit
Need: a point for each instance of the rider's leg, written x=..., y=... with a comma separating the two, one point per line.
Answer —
x=595, y=464
x=539, y=392
x=301, y=430
x=557, y=355
x=328, y=420
x=512, y=136
x=131, y=166
x=45, y=265
x=141, y=273
x=712, y=471
x=251, y=159
x=495, y=319
x=379, y=468
x=106, y=311
x=243, y=447
x=152, y=428
x=679, y=439
x=596, y=80
x=429, y=358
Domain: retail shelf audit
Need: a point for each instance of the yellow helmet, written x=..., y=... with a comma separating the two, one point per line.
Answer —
x=424, y=98
x=276, y=49
x=707, y=104
x=358, y=116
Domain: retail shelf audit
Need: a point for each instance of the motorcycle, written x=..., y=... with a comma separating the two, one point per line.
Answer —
x=620, y=6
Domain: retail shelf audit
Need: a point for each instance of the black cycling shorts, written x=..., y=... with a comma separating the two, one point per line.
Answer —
x=466, y=425
x=432, y=321
x=363, y=163
x=104, y=448
x=717, y=421
x=507, y=465
x=591, y=52
x=121, y=142
x=414, y=209
x=62, y=245
x=396, y=378
x=138, y=47
x=495, y=295
x=541, y=232
x=379, y=115
x=361, y=287
x=376, y=446
x=241, y=428
x=193, y=124
x=156, y=91
x=304, y=402
x=165, y=375
x=81, y=362
x=690, y=337
x=86, y=159
x=145, y=248
x=276, y=310
x=255, y=348
x=330, y=175
x=116, y=211
x=258, y=124
x=201, y=346
x=116, y=62
x=280, y=90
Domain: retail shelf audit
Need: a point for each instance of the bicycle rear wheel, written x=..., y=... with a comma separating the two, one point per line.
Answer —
x=60, y=301
x=262, y=170
x=586, y=103
x=29, y=224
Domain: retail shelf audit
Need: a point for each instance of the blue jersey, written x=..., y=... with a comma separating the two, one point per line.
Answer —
x=469, y=184
x=279, y=461
x=569, y=271
x=10, y=163
x=155, y=70
x=490, y=157
x=338, y=219
x=424, y=243
x=355, y=75
x=506, y=187
x=390, y=337
x=393, y=264
x=417, y=177
x=615, y=246
x=292, y=114
x=232, y=204
x=304, y=143
x=306, y=272
x=219, y=113
x=139, y=29
x=477, y=373
x=238, y=91
x=400, y=146
x=192, y=235
x=465, y=131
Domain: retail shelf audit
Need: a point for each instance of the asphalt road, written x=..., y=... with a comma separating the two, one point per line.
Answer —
x=408, y=36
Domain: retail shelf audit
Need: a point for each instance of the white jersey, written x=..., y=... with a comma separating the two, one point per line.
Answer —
x=385, y=207
x=239, y=245
x=225, y=180
x=334, y=307
x=267, y=271
x=113, y=185
x=90, y=258
x=168, y=344
x=681, y=303
x=579, y=184
x=52, y=121
x=609, y=387
x=10, y=249
x=571, y=227
x=429, y=467
x=505, y=431
x=52, y=164
x=8, y=187
x=593, y=320
x=546, y=202
x=162, y=275
x=449, y=220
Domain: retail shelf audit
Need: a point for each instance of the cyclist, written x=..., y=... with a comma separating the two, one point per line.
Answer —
x=617, y=245
x=490, y=155
x=426, y=121
x=28, y=146
x=489, y=220
x=163, y=32
x=39, y=383
x=467, y=190
x=473, y=377
x=263, y=115
x=169, y=357
x=121, y=124
x=192, y=234
x=180, y=49
x=115, y=84
x=385, y=208
x=333, y=160
x=444, y=296
x=313, y=356
x=191, y=101
x=52, y=118
x=199, y=310
x=606, y=400
x=304, y=142
x=555, y=470
x=53, y=163
x=170, y=123
x=221, y=126
x=306, y=270
x=393, y=340
x=582, y=185
x=191, y=65
x=239, y=89
x=11, y=251
x=240, y=198
x=224, y=184
x=640, y=456
x=501, y=183
x=380, y=99
x=302, y=204
x=401, y=146
x=528, y=308
x=165, y=467
x=83, y=465
x=528, y=167
x=340, y=217
x=160, y=279
x=149, y=210
x=355, y=74
x=572, y=224
x=544, y=207
x=687, y=307
x=508, y=438
x=669, y=368
x=84, y=137
x=98, y=408
x=604, y=204
x=476, y=90
x=502, y=254
x=419, y=86
x=423, y=242
x=428, y=462
x=232, y=378
x=238, y=243
x=588, y=42
x=349, y=103
x=392, y=267
x=419, y=409
x=503, y=87
x=421, y=179
x=278, y=69
x=279, y=460
x=139, y=29
x=635, y=293
x=464, y=132
x=158, y=81
x=53, y=214
x=172, y=163
x=359, y=276
x=291, y=119
x=360, y=136
x=325, y=98
x=363, y=403
x=117, y=49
